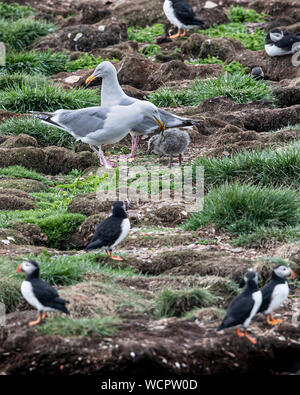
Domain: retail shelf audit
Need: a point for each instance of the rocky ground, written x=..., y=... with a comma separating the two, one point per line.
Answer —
x=158, y=254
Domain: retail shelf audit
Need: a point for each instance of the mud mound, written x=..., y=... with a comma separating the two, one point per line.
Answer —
x=21, y=140
x=22, y=184
x=85, y=37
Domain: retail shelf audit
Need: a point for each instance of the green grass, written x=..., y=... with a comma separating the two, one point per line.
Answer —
x=22, y=172
x=242, y=14
x=238, y=86
x=22, y=93
x=65, y=269
x=67, y=327
x=14, y=11
x=267, y=237
x=56, y=224
x=20, y=34
x=35, y=62
x=254, y=41
x=45, y=135
x=10, y=284
x=241, y=208
x=146, y=34
x=86, y=61
x=270, y=167
x=231, y=67
x=172, y=303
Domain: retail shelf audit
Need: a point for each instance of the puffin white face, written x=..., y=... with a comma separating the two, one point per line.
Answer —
x=26, y=267
x=276, y=35
x=102, y=70
x=284, y=272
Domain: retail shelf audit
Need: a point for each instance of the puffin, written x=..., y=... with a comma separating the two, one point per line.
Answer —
x=280, y=43
x=111, y=231
x=257, y=73
x=275, y=292
x=243, y=307
x=181, y=14
x=38, y=293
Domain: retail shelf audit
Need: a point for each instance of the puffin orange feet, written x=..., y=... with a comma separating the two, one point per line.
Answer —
x=272, y=321
x=176, y=35
x=245, y=334
x=32, y=323
x=114, y=257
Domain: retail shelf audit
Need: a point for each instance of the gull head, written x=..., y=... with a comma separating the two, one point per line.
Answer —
x=151, y=111
x=103, y=70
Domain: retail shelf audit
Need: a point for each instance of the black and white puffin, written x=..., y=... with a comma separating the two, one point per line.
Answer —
x=111, y=231
x=275, y=292
x=38, y=293
x=181, y=14
x=280, y=43
x=243, y=307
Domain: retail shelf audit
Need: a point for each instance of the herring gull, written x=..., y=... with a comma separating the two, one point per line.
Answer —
x=112, y=94
x=101, y=125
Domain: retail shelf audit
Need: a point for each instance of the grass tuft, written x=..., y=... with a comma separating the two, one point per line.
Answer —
x=21, y=33
x=242, y=14
x=45, y=135
x=238, y=86
x=146, y=34
x=35, y=62
x=15, y=11
x=67, y=327
x=277, y=168
x=22, y=93
x=22, y=172
x=172, y=303
x=242, y=208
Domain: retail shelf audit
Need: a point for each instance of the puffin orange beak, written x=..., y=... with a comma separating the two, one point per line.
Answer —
x=90, y=79
x=292, y=275
x=20, y=269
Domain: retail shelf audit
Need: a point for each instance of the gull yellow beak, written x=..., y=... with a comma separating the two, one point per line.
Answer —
x=161, y=125
x=90, y=79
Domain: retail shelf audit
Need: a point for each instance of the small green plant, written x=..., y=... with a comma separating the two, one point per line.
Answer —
x=86, y=61
x=22, y=93
x=23, y=32
x=241, y=208
x=231, y=67
x=241, y=14
x=150, y=50
x=15, y=11
x=35, y=62
x=10, y=284
x=45, y=135
x=235, y=67
x=67, y=327
x=176, y=303
x=146, y=34
x=166, y=97
x=254, y=41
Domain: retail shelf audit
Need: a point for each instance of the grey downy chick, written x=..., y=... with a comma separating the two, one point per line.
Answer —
x=174, y=142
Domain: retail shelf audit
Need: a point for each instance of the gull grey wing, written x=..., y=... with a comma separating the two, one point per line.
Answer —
x=82, y=122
